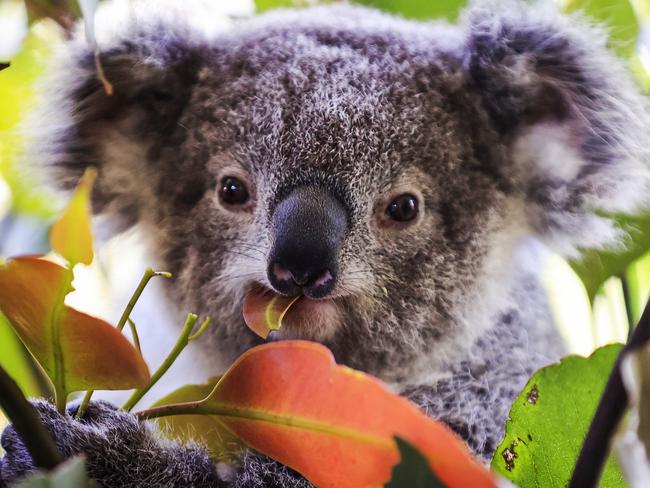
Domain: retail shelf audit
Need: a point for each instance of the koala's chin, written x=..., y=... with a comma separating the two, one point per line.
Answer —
x=316, y=320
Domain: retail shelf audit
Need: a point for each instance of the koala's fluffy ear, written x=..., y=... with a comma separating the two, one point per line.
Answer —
x=572, y=126
x=152, y=60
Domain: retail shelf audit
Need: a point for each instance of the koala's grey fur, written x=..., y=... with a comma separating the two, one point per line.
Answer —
x=516, y=122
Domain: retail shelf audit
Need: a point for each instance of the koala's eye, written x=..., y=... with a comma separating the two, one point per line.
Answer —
x=233, y=191
x=403, y=208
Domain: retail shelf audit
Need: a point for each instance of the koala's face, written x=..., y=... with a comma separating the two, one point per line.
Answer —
x=380, y=169
x=336, y=174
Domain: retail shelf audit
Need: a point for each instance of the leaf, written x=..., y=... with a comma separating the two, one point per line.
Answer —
x=418, y=9
x=549, y=420
x=633, y=442
x=71, y=235
x=71, y=474
x=264, y=310
x=76, y=350
x=413, y=469
x=618, y=16
x=17, y=95
x=595, y=267
x=262, y=5
x=334, y=425
x=14, y=359
x=207, y=430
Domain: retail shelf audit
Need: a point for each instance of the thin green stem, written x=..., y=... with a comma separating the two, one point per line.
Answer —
x=201, y=330
x=148, y=274
x=27, y=424
x=134, y=333
x=181, y=343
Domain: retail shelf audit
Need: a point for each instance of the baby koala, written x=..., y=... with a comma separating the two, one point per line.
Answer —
x=392, y=173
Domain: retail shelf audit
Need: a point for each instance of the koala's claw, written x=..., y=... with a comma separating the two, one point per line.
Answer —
x=120, y=450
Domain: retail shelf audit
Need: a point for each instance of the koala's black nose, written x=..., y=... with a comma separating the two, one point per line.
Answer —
x=308, y=226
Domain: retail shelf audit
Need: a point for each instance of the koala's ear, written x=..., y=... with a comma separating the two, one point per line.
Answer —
x=152, y=64
x=571, y=124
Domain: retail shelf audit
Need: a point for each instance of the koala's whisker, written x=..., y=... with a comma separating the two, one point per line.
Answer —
x=240, y=253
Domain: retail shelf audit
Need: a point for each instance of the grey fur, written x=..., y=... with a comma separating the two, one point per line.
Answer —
x=516, y=122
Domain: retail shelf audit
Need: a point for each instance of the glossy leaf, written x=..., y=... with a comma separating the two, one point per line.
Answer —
x=71, y=235
x=207, y=430
x=549, y=420
x=71, y=474
x=413, y=469
x=76, y=350
x=334, y=425
x=264, y=311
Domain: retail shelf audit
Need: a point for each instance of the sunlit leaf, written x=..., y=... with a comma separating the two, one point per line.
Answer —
x=549, y=420
x=264, y=310
x=207, y=430
x=418, y=9
x=15, y=361
x=71, y=235
x=413, y=470
x=334, y=425
x=76, y=350
x=71, y=474
x=18, y=97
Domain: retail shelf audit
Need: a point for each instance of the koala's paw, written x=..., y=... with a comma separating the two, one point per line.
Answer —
x=120, y=450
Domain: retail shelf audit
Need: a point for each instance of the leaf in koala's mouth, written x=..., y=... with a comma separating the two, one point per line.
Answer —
x=264, y=311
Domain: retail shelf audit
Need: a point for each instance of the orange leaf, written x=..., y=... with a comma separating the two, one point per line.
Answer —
x=76, y=350
x=264, y=310
x=335, y=425
x=71, y=234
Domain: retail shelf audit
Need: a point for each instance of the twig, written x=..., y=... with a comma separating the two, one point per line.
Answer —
x=613, y=402
x=148, y=274
x=182, y=342
x=27, y=424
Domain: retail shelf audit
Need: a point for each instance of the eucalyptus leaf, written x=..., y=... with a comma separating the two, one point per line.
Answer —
x=549, y=420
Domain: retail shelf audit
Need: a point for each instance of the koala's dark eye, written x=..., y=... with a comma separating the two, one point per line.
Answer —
x=403, y=208
x=233, y=191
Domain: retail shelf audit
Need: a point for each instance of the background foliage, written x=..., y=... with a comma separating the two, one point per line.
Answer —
x=596, y=298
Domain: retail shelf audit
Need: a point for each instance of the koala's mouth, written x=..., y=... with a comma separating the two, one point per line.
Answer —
x=300, y=317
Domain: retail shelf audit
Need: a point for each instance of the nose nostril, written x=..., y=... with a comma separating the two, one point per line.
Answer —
x=323, y=279
x=281, y=273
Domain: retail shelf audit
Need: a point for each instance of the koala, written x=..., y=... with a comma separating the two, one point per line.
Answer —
x=399, y=176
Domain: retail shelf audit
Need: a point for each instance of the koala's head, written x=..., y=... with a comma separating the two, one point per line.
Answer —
x=382, y=169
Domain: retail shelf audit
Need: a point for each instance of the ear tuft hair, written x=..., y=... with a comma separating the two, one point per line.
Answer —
x=575, y=124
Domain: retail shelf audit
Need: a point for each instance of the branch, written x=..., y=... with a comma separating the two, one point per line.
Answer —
x=27, y=424
x=610, y=410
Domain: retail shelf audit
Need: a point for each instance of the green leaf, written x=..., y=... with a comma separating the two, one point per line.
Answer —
x=549, y=421
x=262, y=5
x=17, y=95
x=207, y=430
x=413, y=469
x=618, y=16
x=595, y=267
x=418, y=9
x=15, y=360
x=71, y=474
